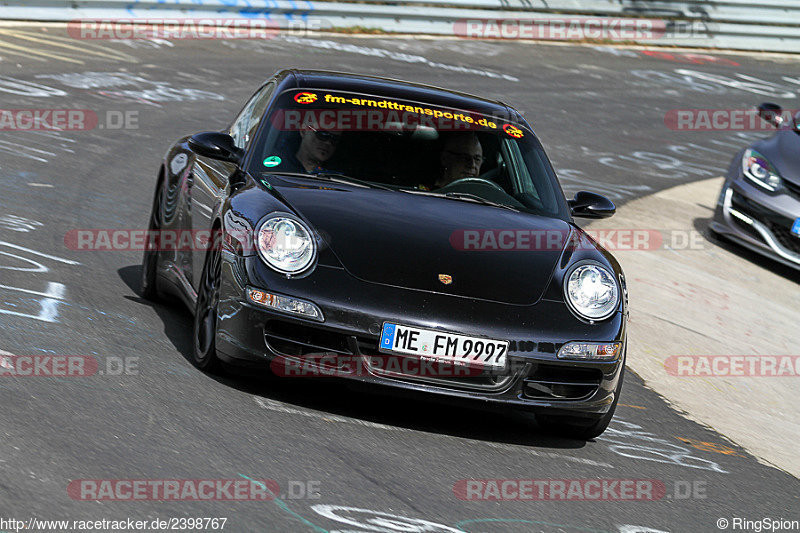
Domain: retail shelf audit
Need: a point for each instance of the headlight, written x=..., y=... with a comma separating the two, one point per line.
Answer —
x=756, y=167
x=286, y=244
x=592, y=291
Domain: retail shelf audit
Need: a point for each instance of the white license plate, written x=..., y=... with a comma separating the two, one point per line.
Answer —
x=440, y=346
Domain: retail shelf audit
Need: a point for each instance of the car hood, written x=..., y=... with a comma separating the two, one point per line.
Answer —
x=408, y=240
x=783, y=151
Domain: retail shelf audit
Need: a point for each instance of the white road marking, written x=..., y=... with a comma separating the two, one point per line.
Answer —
x=272, y=405
x=549, y=455
x=20, y=150
x=41, y=254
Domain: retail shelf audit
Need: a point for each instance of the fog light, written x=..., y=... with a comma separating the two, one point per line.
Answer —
x=590, y=350
x=285, y=304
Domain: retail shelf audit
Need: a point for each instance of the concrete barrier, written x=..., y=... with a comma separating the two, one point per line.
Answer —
x=770, y=25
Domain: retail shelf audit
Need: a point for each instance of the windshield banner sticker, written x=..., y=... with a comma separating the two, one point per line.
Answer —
x=349, y=112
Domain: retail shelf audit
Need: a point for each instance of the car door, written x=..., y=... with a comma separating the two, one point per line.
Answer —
x=210, y=177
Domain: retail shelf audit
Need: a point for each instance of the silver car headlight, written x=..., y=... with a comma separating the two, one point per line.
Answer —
x=758, y=170
x=286, y=244
x=592, y=291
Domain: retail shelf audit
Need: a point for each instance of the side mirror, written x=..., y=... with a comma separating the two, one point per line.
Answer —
x=771, y=113
x=216, y=145
x=591, y=205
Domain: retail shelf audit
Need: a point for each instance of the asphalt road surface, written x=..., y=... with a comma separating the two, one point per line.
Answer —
x=345, y=459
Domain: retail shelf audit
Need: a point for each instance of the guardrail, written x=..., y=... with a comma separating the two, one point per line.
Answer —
x=771, y=25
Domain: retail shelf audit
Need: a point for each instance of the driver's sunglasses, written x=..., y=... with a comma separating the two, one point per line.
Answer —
x=326, y=136
x=468, y=158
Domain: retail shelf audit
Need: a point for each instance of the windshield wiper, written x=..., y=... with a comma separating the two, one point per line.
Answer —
x=464, y=197
x=477, y=199
x=338, y=178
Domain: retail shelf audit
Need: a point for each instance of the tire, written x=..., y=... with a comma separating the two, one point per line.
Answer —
x=148, y=287
x=574, y=427
x=204, y=331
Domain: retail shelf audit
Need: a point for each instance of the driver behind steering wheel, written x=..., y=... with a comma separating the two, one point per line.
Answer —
x=461, y=157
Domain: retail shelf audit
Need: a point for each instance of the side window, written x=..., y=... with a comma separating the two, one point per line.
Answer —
x=240, y=124
x=246, y=124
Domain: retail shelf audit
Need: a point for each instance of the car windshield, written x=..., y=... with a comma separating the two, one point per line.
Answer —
x=408, y=147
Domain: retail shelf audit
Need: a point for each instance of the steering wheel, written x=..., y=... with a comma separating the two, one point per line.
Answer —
x=476, y=180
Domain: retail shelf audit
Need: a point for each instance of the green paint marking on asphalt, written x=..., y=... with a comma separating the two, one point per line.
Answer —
x=282, y=504
x=518, y=520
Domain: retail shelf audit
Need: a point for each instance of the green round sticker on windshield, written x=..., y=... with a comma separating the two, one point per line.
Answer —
x=272, y=161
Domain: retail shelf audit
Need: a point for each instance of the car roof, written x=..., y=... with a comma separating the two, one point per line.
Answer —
x=393, y=88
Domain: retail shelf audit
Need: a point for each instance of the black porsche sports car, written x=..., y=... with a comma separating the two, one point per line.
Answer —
x=372, y=219
x=759, y=205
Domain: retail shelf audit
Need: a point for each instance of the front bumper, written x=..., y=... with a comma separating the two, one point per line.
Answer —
x=758, y=220
x=354, y=311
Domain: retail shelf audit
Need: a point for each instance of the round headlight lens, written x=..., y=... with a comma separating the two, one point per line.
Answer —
x=592, y=291
x=286, y=244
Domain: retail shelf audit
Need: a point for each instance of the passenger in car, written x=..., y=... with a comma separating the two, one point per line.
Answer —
x=461, y=157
